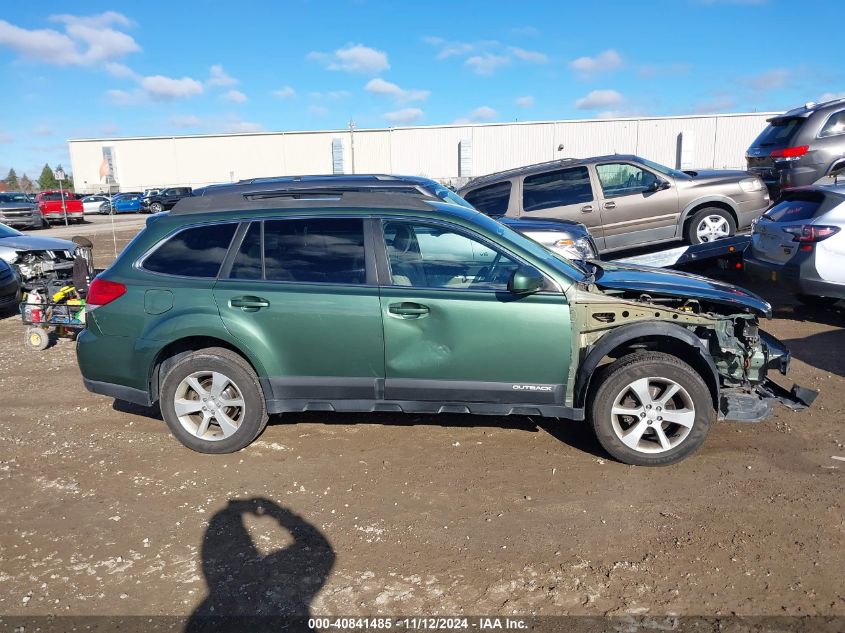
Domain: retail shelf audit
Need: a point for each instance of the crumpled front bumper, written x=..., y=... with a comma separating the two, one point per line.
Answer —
x=756, y=405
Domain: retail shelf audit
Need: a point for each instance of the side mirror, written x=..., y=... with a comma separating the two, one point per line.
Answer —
x=659, y=185
x=525, y=281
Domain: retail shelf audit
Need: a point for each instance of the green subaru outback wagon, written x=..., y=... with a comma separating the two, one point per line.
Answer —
x=233, y=307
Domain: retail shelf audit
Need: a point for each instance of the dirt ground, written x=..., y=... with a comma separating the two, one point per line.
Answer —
x=105, y=513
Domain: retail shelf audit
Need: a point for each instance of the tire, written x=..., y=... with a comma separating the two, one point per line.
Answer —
x=37, y=340
x=228, y=428
x=815, y=301
x=659, y=371
x=156, y=207
x=720, y=220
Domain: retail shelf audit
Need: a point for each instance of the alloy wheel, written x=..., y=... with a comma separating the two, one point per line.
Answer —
x=209, y=405
x=653, y=415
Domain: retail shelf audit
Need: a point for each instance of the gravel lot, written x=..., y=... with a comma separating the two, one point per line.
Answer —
x=391, y=514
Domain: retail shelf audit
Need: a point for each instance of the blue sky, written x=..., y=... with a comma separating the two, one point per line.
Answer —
x=118, y=68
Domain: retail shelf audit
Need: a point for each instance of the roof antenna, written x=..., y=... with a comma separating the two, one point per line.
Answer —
x=560, y=147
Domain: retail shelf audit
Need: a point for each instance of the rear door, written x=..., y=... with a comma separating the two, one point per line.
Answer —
x=300, y=293
x=566, y=194
x=632, y=213
x=452, y=330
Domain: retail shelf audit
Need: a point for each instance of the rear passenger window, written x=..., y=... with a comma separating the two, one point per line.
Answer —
x=194, y=252
x=834, y=126
x=247, y=264
x=491, y=200
x=316, y=250
x=556, y=189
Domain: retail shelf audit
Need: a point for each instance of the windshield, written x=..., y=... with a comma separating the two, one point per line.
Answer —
x=663, y=169
x=13, y=197
x=571, y=269
x=6, y=231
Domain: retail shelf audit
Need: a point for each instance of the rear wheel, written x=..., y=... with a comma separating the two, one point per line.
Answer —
x=37, y=339
x=212, y=401
x=710, y=224
x=651, y=409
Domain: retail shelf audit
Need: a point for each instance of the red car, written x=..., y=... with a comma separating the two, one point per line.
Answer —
x=50, y=206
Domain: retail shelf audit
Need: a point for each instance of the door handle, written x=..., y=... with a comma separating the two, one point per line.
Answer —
x=249, y=303
x=408, y=310
x=587, y=209
x=610, y=205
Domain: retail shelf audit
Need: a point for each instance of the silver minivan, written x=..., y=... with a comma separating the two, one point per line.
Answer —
x=625, y=201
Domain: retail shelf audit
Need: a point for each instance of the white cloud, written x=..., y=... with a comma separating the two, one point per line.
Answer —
x=534, y=57
x=605, y=61
x=318, y=110
x=525, y=102
x=331, y=94
x=381, y=87
x=220, y=78
x=487, y=63
x=769, y=80
x=185, y=120
x=479, y=115
x=525, y=31
x=100, y=20
x=597, y=99
x=124, y=97
x=234, y=96
x=87, y=40
x=161, y=88
x=831, y=96
x=6, y=138
x=285, y=92
x=122, y=71
x=43, y=130
x=353, y=58
x=405, y=116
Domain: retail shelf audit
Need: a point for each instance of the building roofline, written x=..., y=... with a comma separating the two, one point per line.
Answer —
x=418, y=127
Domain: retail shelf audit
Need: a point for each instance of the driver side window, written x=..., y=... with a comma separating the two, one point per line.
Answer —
x=429, y=256
x=624, y=179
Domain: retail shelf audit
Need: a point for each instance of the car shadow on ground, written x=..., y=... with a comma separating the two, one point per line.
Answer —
x=578, y=435
x=253, y=591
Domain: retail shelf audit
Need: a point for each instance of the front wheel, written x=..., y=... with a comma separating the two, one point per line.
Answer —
x=212, y=401
x=156, y=207
x=651, y=409
x=709, y=225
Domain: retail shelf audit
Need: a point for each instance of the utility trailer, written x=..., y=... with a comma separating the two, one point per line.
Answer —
x=725, y=254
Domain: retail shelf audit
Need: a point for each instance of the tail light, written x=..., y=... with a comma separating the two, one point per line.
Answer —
x=102, y=292
x=790, y=152
x=809, y=234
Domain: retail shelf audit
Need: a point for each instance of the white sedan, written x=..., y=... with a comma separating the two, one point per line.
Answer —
x=91, y=204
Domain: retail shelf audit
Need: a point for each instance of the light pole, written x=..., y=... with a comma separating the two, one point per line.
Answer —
x=352, y=142
x=59, y=174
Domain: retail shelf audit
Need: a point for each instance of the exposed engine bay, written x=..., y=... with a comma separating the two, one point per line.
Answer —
x=35, y=268
x=724, y=329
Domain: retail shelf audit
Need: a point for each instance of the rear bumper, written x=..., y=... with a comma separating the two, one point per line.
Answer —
x=119, y=392
x=782, y=176
x=798, y=275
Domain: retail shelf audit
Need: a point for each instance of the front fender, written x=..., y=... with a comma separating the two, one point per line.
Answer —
x=629, y=333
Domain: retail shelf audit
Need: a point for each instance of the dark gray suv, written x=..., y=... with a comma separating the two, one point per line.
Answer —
x=800, y=147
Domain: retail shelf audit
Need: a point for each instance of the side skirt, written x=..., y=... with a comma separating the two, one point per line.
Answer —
x=420, y=406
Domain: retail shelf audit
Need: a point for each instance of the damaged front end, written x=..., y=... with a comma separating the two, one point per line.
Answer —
x=37, y=267
x=714, y=324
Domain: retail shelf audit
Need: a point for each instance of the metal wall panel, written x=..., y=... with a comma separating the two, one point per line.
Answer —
x=720, y=142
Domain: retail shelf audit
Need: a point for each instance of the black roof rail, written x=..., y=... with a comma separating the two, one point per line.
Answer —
x=301, y=199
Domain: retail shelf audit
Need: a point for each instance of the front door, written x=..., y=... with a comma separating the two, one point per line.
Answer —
x=300, y=294
x=453, y=331
x=633, y=212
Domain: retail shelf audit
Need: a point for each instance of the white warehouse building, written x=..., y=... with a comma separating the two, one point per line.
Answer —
x=451, y=153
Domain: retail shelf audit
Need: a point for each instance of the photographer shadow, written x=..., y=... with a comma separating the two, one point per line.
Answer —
x=248, y=590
